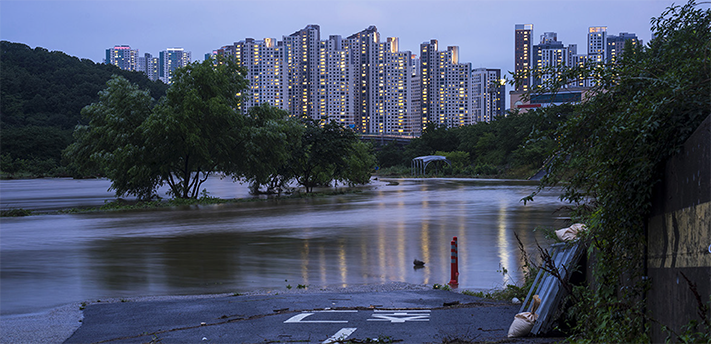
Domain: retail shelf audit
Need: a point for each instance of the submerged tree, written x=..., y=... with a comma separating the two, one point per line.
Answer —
x=196, y=130
x=112, y=144
x=273, y=139
x=328, y=153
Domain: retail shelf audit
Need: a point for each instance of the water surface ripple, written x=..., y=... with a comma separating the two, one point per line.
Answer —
x=364, y=238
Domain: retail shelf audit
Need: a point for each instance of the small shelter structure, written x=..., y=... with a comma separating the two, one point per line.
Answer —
x=419, y=164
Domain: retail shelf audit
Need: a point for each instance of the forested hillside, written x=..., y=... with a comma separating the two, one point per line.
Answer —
x=41, y=97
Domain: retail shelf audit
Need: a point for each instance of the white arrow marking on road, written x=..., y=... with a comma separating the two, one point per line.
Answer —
x=340, y=335
x=402, y=316
x=299, y=318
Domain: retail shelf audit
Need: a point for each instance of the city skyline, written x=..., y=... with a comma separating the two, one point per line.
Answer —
x=365, y=83
x=86, y=29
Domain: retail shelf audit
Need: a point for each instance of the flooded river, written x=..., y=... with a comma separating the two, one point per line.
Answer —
x=369, y=237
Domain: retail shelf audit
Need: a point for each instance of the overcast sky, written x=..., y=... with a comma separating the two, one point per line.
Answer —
x=483, y=30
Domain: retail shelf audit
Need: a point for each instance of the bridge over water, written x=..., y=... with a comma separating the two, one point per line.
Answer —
x=381, y=140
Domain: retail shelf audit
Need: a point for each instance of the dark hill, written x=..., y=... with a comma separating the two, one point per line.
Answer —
x=41, y=97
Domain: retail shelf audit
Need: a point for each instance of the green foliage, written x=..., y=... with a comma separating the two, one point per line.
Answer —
x=273, y=138
x=197, y=130
x=444, y=287
x=395, y=171
x=391, y=155
x=42, y=96
x=112, y=143
x=474, y=293
x=360, y=164
x=330, y=152
x=609, y=157
x=191, y=133
x=458, y=159
x=693, y=332
x=439, y=138
x=485, y=170
x=285, y=150
x=15, y=212
x=516, y=145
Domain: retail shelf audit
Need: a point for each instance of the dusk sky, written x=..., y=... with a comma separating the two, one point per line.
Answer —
x=483, y=30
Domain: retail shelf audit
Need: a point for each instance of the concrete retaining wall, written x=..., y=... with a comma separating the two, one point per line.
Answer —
x=679, y=236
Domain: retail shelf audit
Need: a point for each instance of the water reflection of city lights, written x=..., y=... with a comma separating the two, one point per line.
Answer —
x=503, y=243
x=322, y=264
x=305, y=250
x=342, y=266
x=426, y=255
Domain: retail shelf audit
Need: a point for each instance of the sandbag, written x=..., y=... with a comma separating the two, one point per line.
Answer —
x=523, y=322
x=570, y=233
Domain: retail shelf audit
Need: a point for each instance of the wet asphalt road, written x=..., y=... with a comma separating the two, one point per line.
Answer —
x=430, y=316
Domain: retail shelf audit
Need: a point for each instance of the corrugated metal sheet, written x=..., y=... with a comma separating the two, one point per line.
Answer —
x=549, y=288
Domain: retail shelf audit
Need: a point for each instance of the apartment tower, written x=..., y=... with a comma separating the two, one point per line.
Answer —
x=522, y=54
x=169, y=60
x=122, y=56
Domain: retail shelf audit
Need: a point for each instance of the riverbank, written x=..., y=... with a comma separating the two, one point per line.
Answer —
x=120, y=204
x=111, y=203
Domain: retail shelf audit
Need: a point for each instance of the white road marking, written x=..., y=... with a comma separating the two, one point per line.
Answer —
x=299, y=318
x=340, y=335
x=401, y=316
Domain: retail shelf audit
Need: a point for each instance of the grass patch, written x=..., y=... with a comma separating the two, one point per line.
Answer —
x=126, y=205
x=15, y=212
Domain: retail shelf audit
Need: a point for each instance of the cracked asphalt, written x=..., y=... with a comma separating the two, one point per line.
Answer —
x=408, y=316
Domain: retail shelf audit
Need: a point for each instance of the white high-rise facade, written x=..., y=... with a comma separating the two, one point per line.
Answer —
x=361, y=82
x=446, y=86
x=122, y=56
x=169, y=60
x=263, y=61
x=487, y=93
x=149, y=65
x=550, y=55
x=597, y=44
x=335, y=91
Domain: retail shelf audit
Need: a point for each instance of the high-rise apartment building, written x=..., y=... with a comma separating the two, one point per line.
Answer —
x=335, y=89
x=523, y=46
x=300, y=58
x=417, y=121
x=363, y=47
x=445, y=86
x=360, y=81
x=148, y=65
x=597, y=44
x=616, y=45
x=122, y=56
x=169, y=60
x=390, y=92
x=488, y=94
x=264, y=62
x=550, y=55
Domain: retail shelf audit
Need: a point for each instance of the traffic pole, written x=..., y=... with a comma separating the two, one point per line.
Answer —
x=454, y=282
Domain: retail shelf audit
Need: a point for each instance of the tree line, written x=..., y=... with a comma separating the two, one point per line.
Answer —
x=197, y=130
x=514, y=146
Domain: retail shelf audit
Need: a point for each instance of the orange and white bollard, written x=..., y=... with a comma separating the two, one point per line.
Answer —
x=454, y=282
